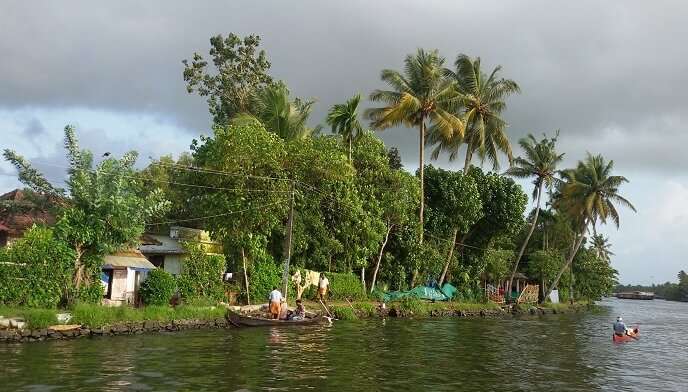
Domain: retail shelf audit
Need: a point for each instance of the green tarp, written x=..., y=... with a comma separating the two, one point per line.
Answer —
x=423, y=292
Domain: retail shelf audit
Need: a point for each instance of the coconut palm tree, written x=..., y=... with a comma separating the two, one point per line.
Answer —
x=343, y=118
x=280, y=115
x=482, y=103
x=589, y=195
x=601, y=246
x=420, y=96
x=540, y=163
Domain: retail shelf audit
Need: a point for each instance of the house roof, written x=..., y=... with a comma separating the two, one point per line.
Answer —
x=128, y=258
x=16, y=223
x=161, y=244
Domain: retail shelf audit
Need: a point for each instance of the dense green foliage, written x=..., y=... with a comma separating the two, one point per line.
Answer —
x=158, y=288
x=35, y=270
x=265, y=275
x=201, y=275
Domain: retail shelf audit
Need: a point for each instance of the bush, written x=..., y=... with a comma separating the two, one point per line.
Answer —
x=345, y=286
x=343, y=312
x=36, y=271
x=201, y=275
x=158, y=287
x=264, y=276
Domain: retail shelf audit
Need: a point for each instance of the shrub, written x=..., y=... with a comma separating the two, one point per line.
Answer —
x=412, y=305
x=343, y=312
x=345, y=286
x=36, y=270
x=264, y=276
x=201, y=275
x=158, y=287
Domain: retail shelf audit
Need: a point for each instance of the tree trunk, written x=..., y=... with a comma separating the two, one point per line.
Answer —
x=243, y=259
x=363, y=283
x=78, y=267
x=568, y=262
x=421, y=169
x=350, y=149
x=530, y=233
x=571, y=297
x=469, y=156
x=422, y=183
x=449, y=256
x=379, y=258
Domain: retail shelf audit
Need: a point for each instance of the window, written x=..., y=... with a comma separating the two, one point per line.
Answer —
x=157, y=260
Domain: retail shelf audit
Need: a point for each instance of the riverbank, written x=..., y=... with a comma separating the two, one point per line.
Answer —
x=93, y=320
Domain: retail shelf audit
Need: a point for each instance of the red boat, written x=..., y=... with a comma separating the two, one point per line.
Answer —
x=632, y=334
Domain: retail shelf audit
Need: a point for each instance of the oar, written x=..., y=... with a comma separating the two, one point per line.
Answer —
x=325, y=307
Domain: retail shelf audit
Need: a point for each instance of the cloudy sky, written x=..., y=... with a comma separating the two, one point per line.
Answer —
x=610, y=76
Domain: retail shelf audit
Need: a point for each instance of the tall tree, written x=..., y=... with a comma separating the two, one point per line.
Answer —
x=588, y=195
x=419, y=97
x=601, y=247
x=241, y=71
x=281, y=115
x=343, y=118
x=482, y=103
x=540, y=163
x=102, y=211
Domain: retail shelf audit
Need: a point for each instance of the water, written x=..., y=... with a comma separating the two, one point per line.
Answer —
x=551, y=353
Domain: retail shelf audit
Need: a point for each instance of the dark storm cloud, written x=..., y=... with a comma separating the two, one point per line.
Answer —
x=590, y=69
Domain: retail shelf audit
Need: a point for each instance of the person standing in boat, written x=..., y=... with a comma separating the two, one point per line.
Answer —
x=323, y=285
x=619, y=327
x=275, y=303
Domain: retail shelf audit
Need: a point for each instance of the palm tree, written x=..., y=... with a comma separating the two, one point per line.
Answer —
x=540, y=161
x=421, y=94
x=282, y=116
x=482, y=103
x=589, y=194
x=343, y=118
x=601, y=246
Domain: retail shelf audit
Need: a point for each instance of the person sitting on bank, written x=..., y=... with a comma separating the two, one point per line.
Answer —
x=619, y=327
x=323, y=284
x=275, y=303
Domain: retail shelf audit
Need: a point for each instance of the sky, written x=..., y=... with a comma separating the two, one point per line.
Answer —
x=608, y=75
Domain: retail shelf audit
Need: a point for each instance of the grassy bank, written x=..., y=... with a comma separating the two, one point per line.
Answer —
x=97, y=316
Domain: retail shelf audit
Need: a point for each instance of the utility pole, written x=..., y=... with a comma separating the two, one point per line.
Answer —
x=287, y=245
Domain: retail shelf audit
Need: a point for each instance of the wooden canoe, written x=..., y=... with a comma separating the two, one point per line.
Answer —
x=240, y=320
x=633, y=334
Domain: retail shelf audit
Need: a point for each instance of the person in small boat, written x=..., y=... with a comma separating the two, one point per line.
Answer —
x=275, y=303
x=620, y=328
x=299, y=313
x=323, y=285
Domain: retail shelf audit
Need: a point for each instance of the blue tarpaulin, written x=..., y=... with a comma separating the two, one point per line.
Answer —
x=423, y=292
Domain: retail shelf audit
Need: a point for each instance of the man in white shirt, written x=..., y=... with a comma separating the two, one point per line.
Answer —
x=323, y=285
x=275, y=302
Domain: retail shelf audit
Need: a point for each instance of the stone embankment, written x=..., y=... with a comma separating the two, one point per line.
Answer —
x=59, y=332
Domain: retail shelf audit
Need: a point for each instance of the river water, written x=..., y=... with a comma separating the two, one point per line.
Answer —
x=538, y=353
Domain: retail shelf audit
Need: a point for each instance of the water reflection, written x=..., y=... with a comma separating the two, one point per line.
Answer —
x=568, y=352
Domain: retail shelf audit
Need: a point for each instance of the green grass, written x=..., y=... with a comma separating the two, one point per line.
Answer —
x=35, y=318
x=97, y=316
x=343, y=312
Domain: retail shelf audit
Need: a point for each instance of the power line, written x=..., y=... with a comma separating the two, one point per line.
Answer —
x=213, y=216
x=173, y=182
x=219, y=172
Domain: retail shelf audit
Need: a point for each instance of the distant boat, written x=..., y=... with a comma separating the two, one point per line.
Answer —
x=635, y=295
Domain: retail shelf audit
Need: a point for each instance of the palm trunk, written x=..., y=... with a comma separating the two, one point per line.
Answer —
x=363, y=278
x=568, y=262
x=421, y=160
x=350, y=149
x=571, y=296
x=243, y=259
x=379, y=258
x=469, y=156
x=449, y=256
x=530, y=233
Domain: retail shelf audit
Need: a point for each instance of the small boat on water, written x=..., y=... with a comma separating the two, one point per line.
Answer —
x=633, y=334
x=240, y=320
x=635, y=295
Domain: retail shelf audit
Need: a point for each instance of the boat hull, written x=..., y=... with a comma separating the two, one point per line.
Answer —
x=248, y=321
x=632, y=335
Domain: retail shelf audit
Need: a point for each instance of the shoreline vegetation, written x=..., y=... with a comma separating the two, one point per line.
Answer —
x=278, y=196
x=95, y=320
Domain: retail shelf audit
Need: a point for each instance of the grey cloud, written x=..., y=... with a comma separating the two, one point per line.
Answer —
x=34, y=128
x=584, y=67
